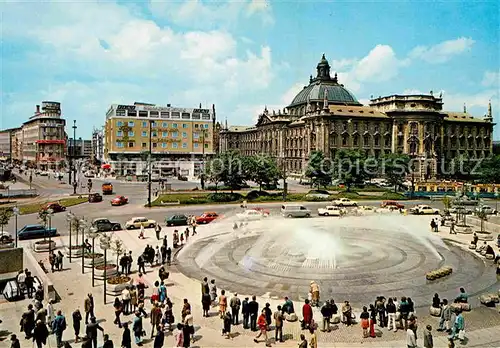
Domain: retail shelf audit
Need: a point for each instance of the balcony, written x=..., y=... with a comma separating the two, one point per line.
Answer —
x=51, y=141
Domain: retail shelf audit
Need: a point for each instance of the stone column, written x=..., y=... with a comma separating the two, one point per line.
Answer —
x=394, y=139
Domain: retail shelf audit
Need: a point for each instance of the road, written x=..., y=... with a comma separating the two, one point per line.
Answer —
x=90, y=211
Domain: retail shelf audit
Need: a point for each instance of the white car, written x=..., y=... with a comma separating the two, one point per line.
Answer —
x=424, y=209
x=331, y=210
x=137, y=222
x=250, y=215
x=487, y=209
x=345, y=202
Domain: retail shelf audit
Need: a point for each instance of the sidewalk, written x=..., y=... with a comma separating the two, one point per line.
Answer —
x=72, y=287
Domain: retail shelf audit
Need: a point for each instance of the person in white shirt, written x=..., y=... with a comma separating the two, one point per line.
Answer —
x=126, y=300
x=50, y=313
x=21, y=280
x=411, y=340
x=188, y=321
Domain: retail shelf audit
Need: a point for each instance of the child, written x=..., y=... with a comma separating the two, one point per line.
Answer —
x=428, y=341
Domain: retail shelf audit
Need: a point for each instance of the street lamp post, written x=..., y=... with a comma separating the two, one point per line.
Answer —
x=70, y=217
x=93, y=233
x=149, y=163
x=83, y=226
x=73, y=167
x=49, y=217
x=105, y=245
x=15, y=210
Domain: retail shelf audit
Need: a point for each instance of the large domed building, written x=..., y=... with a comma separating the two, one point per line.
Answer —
x=326, y=116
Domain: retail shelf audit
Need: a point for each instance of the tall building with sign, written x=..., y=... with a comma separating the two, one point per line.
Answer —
x=178, y=138
x=41, y=141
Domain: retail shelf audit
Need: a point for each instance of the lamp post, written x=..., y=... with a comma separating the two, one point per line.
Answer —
x=83, y=226
x=15, y=210
x=93, y=233
x=74, y=155
x=149, y=163
x=50, y=212
x=70, y=217
x=105, y=245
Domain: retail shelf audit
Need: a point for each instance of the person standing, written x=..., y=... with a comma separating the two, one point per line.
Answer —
x=91, y=331
x=253, y=308
x=60, y=257
x=307, y=315
x=155, y=317
x=14, y=341
x=124, y=264
x=458, y=327
x=159, y=338
x=158, y=231
x=303, y=341
x=365, y=321
x=58, y=327
x=213, y=292
x=261, y=322
x=126, y=300
x=313, y=340
x=40, y=334
x=189, y=325
x=77, y=319
x=411, y=341
x=29, y=282
x=88, y=306
x=137, y=329
x=428, y=340
x=391, y=314
x=126, y=339
x=118, y=306
x=163, y=251
x=327, y=315
x=140, y=264
x=50, y=312
x=373, y=320
x=222, y=304
x=129, y=262
x=278, y=325
x=28, y=321
x=107, y=342
x=445, y=317
x=380, y=308
x=226, y=325
x=235, y=305
x=245, y=313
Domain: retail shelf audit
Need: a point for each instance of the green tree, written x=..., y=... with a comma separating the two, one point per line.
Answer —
x=318, y=169
x=118, y=249
x=261, y=169
x=395, y=168
x=488, y=171
x=5, y=215
x=233, y=174
x=213, y=171
x=349, y=167
x=43, y=216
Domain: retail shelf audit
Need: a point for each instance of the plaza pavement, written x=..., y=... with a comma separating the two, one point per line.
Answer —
x=72, y=287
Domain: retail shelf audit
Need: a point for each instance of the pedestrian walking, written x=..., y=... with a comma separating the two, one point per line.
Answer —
x=91, y=331
x=278, y=325
x=155, y=317
x=158, y=231
x=303, y=341
x=27, y=322
x=179, y=336
x=411, y=340
x=226, y=325
x=313, y=340
x=222, y=304
x=159, y=338
x=118, y=306
x=326, y=312
x=14, y=341
x=428, y=340
x=77, y=319
x=246, y=313
x=88, y=306
x=126, y=338
x=40, y=334
x=107, y=343
x=126, y=300
x=140, y=264
x=189, y=325
x=60, y=257
x=137, y=328
x=213, y=292
x=58, y=327
x=157, y=255
x=261, y=322
x=235, y=305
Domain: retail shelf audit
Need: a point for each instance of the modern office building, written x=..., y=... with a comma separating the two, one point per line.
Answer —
x=325, y=116
x=41, y=141
x=178, y=138
x=98, y=144
x=6, y=144
x=80, y=148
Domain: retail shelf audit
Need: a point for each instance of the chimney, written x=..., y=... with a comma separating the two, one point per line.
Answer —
x=38, y=109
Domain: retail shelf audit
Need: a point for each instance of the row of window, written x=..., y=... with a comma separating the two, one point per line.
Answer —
x=163, y=114
x=154, y=134
x=145, y=124
x=121, y=144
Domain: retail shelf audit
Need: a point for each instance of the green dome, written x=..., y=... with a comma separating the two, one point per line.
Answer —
x=324, y=85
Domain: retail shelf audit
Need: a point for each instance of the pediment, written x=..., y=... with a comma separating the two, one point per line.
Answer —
x=263, y=119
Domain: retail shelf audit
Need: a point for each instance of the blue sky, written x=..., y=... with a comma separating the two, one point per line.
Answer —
x=241, y=55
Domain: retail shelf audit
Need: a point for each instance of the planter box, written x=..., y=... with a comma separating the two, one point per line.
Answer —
x=110, y=273
x=116, y=289
x=41, y=247
x=484, y=236
x=98, y=260
x=75, y=252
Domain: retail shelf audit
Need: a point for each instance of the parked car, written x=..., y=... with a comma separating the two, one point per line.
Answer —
x=105, y=225
x=54, y=206
x=331, y=210
x=36, y=231
x=295, y=210
x=392, y=205
x=487, y=209
x=119, y=200
x=95, y=198
x=250, y=215
x=206, y=218
x=345, y=202
x=461, y=209
x=44, y=173
x=177, y=220
x=423, y=209
x=137, y=222
x=6, y=240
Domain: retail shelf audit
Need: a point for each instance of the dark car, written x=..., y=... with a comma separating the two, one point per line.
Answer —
x=104, y=225
x=55, y=206
x=177, y=220
x=95, y=198
x=36, y=231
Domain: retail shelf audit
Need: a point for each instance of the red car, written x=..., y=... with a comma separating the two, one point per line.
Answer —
x=119, y=200
x=56, y=207
x=206, y=217
x=392, y=205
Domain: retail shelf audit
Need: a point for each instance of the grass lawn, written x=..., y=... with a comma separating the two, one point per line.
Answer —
x=65, y=202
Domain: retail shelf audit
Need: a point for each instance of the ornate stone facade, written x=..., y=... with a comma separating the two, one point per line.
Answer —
x=326, y=116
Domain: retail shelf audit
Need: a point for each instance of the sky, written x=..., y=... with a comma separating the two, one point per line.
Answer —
x=241, y=55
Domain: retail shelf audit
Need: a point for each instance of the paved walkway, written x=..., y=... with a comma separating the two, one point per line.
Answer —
x=72, y=287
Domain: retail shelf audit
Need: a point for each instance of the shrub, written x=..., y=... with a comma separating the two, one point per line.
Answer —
x=393, y=196
x=252, y=195
x=224, y=197
x=321, y=192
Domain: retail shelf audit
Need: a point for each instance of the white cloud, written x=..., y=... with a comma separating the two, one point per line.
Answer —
x=491, y=79
x=381, y=64
x=442, y=52
x=289, y=94
x=200, y=14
